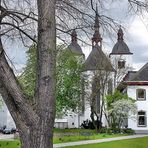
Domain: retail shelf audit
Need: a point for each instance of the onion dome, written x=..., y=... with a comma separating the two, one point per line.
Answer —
x=74, y=47
x=120, y=47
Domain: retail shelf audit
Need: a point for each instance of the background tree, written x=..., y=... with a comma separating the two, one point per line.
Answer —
x=69, y=81
x=68, y=75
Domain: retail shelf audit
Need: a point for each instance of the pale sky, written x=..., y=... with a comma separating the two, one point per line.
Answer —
x=135, y=36
x=135, y=32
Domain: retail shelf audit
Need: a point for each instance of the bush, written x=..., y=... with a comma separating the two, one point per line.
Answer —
x=89, y=124
x=117, y=130
x=110, y=130
x=128, y=131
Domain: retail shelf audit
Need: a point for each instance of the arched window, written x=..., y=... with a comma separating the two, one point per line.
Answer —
x=121, y=64
x=142, y=121
x=141, y=94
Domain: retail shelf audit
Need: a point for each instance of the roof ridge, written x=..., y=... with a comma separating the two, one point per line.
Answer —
x=137, y=75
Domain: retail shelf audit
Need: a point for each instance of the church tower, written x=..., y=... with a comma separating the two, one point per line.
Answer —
x=121, y=57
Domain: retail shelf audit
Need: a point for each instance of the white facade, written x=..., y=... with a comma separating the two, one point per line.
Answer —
x=5, y=117
x=121, y=72
x=142, y=105
x=128, y=58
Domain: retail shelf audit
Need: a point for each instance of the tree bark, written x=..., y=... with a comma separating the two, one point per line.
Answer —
x=35, y=126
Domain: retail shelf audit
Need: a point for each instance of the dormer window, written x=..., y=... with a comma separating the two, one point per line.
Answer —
x=141, y=119
x=121, y=64
x=141, y=94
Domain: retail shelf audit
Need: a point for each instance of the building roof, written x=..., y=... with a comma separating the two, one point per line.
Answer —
x=74, y=47
x=135, y=78
x=97, y=60
x=141, y=75
x=120, y=47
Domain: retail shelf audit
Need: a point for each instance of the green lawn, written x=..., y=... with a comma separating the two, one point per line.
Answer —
x=132, y=143
x=71, y=135
x=62, y=139
x=10, y=144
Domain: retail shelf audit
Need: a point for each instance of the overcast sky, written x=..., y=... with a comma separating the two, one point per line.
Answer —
x=135, y=36
x=135, y=32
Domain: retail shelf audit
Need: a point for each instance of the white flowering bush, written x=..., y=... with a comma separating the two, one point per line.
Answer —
x=119, y=111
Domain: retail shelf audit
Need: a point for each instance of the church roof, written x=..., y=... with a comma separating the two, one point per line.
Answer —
x=74, y=47
x=120, y=47
x=97, y=60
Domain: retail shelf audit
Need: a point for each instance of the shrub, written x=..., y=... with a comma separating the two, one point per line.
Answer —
x=89, y=124
x=128, y=131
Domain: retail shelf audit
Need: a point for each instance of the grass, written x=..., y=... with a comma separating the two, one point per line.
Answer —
x=71, y=135
x=10, y=144
x=65, y=135
x=131, y=143
x=63, y=139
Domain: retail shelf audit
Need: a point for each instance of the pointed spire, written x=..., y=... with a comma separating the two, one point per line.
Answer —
x=120, y=34
x=74, y=36
x=96, y=37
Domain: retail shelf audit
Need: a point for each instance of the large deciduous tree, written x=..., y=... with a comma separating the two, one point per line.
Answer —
x=35, y=124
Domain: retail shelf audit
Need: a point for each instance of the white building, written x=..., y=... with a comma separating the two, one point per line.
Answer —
x=137, y=88
x=5, y=117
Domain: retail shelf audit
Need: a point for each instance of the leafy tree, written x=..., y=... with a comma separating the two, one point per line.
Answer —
x=69, y=81
x=68, y=75
x=28, y=77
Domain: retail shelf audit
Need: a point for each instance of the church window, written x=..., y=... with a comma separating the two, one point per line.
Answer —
x=141, y=118
x=121, y=64
x=141, y=94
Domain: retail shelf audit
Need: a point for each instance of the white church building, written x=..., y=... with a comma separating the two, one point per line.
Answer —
x=120, y=67
x=135, y=82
